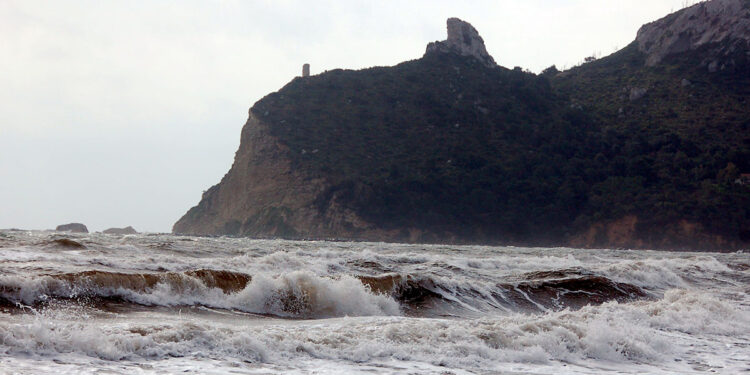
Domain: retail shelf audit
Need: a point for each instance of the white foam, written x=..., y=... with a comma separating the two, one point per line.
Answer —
x=645, y=336
x=694, y=321
x=310, y=295
x=295, y=294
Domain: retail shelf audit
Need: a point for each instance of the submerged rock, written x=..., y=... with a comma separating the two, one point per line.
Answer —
x=126, y=230
x=72, y=227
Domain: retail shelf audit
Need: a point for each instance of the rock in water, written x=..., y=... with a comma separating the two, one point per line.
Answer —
x=126, y=230
x=464, y=40
x=72, y=227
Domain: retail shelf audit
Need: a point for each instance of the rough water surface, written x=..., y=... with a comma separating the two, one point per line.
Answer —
x=162, y=304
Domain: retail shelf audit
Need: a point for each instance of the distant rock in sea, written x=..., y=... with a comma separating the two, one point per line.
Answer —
x=126, y=230
x=72, y=227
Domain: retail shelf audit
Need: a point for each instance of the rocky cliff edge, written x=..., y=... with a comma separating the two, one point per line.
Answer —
x=725, y=22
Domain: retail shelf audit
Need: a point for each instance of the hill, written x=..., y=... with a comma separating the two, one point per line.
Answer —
x=644, y=148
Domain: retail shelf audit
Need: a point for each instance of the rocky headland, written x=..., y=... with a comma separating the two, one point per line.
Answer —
x=640, y=149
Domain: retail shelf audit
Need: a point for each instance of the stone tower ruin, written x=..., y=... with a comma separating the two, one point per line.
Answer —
x=306, y=70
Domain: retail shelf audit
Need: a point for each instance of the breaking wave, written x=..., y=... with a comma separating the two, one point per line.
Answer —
x=644, y=331
x=538, y=291
x=170, y=304
x=296, y=294
x=305, y=295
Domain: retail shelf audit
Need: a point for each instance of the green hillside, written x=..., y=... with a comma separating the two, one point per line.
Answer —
x=479, y=154
x=676, y=152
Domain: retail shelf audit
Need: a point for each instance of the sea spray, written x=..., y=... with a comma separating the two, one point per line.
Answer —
x=166, y=304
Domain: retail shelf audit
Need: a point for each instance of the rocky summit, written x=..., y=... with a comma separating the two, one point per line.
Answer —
x=641, y=149
x=464, y=40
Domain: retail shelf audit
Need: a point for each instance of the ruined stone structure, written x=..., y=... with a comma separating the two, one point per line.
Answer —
x=306, y=70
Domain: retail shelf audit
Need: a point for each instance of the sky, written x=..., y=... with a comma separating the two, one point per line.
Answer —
x=117, y=113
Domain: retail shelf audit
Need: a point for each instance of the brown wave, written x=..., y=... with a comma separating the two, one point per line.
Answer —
x=739, y=266
x=405, y=288
x=66, y=243
x=93, y=286
x=227, y=281
x=538, y=291
x=417, y=294
x=571, y=292
x=553, y=274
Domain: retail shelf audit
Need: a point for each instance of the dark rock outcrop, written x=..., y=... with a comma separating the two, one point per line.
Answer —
x=126, y=230
x=72, y=227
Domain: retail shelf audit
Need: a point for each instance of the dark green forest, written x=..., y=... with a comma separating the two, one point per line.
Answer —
x=449, y=145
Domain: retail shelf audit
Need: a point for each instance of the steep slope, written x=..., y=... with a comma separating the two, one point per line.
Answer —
x=675, y=117
x=451, y=147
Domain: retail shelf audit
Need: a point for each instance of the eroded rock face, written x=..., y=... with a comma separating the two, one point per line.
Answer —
x=263, y=196
x=715, y=21
x=464, y=40
x=72, y=227
x=126, y=230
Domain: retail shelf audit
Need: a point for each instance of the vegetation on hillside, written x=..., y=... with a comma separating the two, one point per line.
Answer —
x=676, y=152
x=450, y=146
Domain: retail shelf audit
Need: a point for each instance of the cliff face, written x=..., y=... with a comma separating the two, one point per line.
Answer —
x=640, y=149
x=719, y=22
x=263, y=196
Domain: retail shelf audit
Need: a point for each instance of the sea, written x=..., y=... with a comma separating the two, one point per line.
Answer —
x=165, y=304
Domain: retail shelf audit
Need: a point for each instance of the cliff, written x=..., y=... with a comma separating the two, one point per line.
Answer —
x=723, y=25
x=263, y=195
x=631, y=150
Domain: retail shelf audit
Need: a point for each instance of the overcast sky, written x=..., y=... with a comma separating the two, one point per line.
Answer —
x=116, y=113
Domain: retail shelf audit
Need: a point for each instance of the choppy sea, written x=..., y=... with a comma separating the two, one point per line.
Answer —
x=163, y=304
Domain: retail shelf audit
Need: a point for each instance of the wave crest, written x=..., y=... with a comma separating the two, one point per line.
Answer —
x=537, y=291
x=296, y=294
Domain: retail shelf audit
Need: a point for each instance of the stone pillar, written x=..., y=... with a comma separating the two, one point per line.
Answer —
x=306, y=70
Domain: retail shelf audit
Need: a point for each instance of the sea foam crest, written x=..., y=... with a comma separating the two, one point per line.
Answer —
x=303, y=294
x=295, y=294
